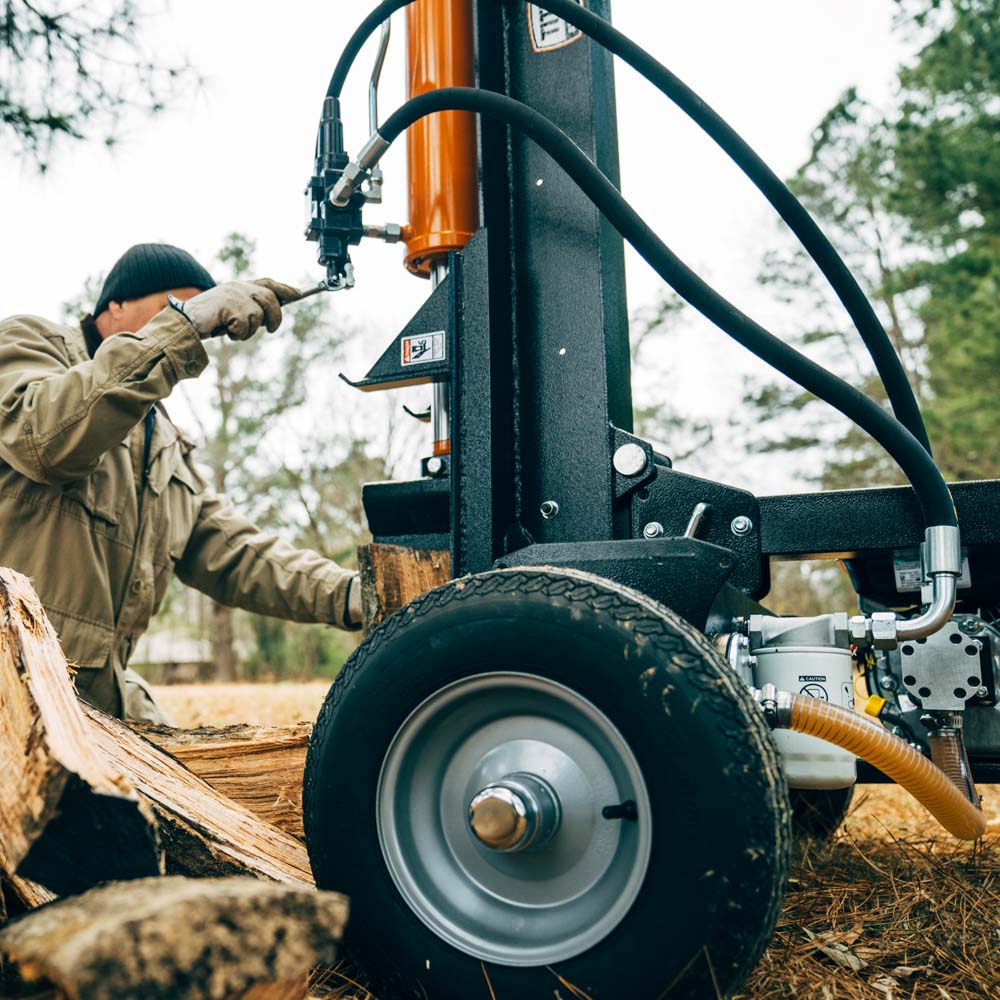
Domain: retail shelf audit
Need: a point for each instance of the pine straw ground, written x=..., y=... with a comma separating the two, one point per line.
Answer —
x=890, y=909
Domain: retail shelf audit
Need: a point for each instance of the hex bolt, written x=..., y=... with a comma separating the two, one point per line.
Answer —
x=982, y=692
x=969, y=626
x=549, y=509
x=741, y=525
x=887, y=684
x=653, y=530
x=629, y=460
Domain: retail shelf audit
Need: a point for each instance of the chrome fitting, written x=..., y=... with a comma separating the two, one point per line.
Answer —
x=942, y=550
x=347, y=184
x=390, y=232
x=884, y=629
x=358, y=170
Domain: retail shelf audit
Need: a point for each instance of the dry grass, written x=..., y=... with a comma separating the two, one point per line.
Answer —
x=891, y=909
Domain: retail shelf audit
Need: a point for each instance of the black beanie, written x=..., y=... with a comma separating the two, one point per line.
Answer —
x=151, y=267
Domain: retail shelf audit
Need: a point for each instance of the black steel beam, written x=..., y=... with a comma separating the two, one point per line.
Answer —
x=843, y=523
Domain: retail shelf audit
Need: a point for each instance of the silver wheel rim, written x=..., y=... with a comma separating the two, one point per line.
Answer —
x=538, y=906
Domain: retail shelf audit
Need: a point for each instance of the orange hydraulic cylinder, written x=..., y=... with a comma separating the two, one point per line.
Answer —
x=441, y=149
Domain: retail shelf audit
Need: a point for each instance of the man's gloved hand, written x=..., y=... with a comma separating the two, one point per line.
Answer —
x=355, y=612
x=237, y=308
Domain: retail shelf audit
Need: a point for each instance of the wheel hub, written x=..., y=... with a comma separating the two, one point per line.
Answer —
x=515, y=814
x=490, y=816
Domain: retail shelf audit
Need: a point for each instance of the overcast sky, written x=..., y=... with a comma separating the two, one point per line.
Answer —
x=237, y=157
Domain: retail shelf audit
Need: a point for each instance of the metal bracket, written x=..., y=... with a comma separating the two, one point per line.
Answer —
x=419, y=354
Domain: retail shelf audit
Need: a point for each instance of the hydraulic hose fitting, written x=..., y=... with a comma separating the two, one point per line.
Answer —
x=941, y=554
x=942, y=557
x=358, y=171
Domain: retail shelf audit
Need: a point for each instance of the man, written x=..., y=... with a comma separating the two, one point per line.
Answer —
x=100, y=500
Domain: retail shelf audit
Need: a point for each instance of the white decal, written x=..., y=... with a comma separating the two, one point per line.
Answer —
x=423, y=348
x=910, y=576
x=548, y=31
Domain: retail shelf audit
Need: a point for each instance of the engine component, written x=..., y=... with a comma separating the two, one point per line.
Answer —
x=942, y=672
x=810, y=656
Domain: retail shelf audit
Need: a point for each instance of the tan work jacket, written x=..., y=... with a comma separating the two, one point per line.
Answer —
x=99, y=536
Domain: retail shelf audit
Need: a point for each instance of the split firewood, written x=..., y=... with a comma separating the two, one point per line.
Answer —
x=68, y=816
x=85, y=799
x=178, y=938
x=203, y=832
x=259, y=767
x=392, y=576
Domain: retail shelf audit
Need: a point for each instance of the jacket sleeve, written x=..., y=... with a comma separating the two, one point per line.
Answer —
x=235, y=563
x=57, y=418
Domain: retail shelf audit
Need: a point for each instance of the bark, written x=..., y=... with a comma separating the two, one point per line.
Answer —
x=392, y=576
x=178, y=939
x=256, y=766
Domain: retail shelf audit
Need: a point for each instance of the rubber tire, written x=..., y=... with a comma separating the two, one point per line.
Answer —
x=818, y=812
x=721, y=820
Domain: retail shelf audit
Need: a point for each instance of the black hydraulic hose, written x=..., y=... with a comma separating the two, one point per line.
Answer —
x=930, y=487
x=848, y=291
x=355, y=43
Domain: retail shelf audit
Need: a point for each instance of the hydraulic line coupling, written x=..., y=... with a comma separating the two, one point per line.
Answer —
x=941, y=555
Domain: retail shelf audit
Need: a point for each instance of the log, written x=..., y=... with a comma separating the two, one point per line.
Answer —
x=68, y=816
x=178, y=939
x=392, y=575
x=86, y=800
x=259, y=767
x=204, y=833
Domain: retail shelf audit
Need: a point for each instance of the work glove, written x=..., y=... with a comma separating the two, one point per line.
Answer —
x=355, y=612
x=237, y=308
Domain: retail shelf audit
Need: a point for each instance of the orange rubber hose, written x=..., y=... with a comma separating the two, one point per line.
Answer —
x=926, y=782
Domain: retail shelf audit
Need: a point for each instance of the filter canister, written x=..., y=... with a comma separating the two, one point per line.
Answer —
x=819, y=672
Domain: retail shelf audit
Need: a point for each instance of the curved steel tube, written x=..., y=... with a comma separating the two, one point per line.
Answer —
x=943, y=593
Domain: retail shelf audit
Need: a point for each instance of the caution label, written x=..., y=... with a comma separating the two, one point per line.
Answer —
x=423, y=348
x=549, y=32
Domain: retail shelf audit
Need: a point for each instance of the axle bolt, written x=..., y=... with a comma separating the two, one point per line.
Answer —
x=653, y=530
x=435, y=465
x=629, y=460
x=548, y=509
x=741, y=525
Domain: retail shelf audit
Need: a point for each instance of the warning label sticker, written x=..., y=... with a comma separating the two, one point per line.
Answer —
x=847, y=695
x=910, y=576
x=423, y=348
x=549, y=32
x=815, y=691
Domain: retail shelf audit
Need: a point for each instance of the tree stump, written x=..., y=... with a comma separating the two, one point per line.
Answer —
x=178, y=939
